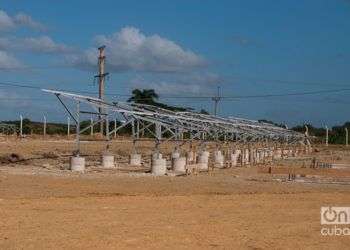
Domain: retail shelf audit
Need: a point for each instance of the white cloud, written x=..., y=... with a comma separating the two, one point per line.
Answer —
x=190, y=84
x=23, y=19
x=129, y=49
x=42, y=44
x=8, y=61
x=19, y=20
x=6, y=22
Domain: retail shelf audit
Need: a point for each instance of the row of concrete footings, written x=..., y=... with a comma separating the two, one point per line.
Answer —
x=201, y=160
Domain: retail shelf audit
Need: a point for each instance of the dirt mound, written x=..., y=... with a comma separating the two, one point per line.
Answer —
x=11, y=158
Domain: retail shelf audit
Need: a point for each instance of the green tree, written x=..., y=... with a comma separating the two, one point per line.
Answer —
x=145, y=96
x=149, y=97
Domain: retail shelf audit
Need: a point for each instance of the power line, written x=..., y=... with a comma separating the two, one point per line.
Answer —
x=287, y=81
x=19, y=85
x=289, y=94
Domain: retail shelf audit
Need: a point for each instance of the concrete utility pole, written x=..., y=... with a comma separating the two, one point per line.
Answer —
x=101, y=82
x=326, y=136
x=216, y=100
x=346, y=137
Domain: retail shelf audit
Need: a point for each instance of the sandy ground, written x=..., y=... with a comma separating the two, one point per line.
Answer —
x=44, y=206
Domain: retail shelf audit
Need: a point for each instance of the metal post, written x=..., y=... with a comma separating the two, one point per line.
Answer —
x=107, y=126
x=68, y=126
x=346, y=137
x=158, y=131
x=115, y=128
x=158, y=136
x=21, y=126
x=326, y=136
x=133, y=129
x=44, y=125
x=78, y=128
x=143, y=129
x=137, y=129
x=92, y=126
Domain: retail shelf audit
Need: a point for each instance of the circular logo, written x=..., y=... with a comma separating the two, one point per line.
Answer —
x=330, y=215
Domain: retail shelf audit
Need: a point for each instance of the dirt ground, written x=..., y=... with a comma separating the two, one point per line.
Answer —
x=45, y=206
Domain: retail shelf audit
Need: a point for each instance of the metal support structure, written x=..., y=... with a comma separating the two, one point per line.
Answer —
x=115, y=128
x=92, y=126
x=78, y=128
x=107, y=127
x=44, y=132
x=137, y=129
x=133, y=132
x=174, y=125
x=68, y=126
x=346, y=137
x=158, y=136
x=21, y=126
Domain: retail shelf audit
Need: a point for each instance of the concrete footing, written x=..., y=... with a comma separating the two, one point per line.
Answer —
x=180, y=164
x=219, y=159
x=174, y=155
x=234, y=159
x=246, y=156
x=158, y=166
x=203, y=160
x=108, y=161
x=77, y=164
x=191, y=157
x=135, y=160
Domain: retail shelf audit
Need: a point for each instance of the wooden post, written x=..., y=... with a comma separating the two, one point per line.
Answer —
x=326, y=136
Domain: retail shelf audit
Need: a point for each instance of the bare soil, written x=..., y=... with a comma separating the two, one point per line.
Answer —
x=45, y=206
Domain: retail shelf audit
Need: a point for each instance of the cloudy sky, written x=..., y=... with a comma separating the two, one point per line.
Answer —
x=182, y=48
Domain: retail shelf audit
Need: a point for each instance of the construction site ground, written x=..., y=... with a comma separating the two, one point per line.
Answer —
x=44, y=205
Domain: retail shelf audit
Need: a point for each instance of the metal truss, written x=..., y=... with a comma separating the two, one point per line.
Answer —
x=166, y=125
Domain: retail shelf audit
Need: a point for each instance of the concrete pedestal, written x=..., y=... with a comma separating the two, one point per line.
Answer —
x=77, y=164
x=234, y=159
x=191, y=157
x=219, y=159
x=108, y=161
x=135, y=160
x=203, y=160
x=180, y=164
x=174, y=155
x=159, y=167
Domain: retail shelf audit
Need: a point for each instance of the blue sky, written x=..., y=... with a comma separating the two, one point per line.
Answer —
x=182, y=48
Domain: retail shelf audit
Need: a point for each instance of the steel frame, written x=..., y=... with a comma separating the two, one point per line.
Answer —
x=195, y=125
